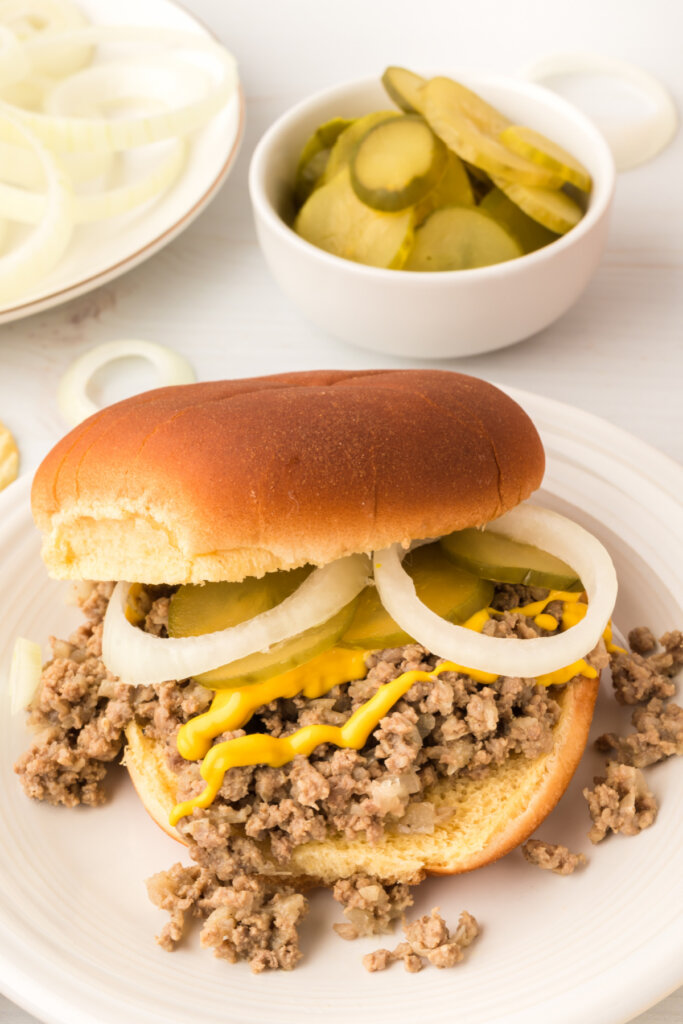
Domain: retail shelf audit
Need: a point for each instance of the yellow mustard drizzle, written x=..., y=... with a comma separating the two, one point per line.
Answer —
x=612, y=648
x=276, y=751
x=232, y=708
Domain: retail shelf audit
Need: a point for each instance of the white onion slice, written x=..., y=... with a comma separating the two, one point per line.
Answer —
x=631, y=144
x=24, y=673
x=30, y=18
x=140, y=658
x=89, y=92
x=72, y=393
x=92, y=134
x=20, y=166
x=27, y=207
x=32, y=259
x=14, y=64
x=528, y=524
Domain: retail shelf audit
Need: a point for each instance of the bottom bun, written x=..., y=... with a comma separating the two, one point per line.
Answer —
x=480, y=820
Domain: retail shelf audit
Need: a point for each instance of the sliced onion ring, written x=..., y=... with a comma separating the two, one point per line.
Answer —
x=528, y=524
x=631, y=144
x=72, y=393
x=14, y=64
x=20, y=166
x=28, y=262
x=30, y=18
x=29, y=207
x=140, y=658
x=98, y=134
x=92, y=91
x=24, y=673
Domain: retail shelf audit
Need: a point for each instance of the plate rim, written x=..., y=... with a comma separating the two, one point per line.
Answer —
x=20, y=311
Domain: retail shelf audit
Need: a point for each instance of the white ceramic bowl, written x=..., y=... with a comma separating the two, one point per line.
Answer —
x=436, y=314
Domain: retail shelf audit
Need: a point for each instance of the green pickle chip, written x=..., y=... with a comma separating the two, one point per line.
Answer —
x=448, y=182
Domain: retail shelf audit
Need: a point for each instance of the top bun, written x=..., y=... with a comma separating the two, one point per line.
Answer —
x=237, y=478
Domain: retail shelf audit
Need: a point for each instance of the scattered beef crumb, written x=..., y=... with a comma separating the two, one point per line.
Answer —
x=659, y=734
x=620, y=802
x=642, y=640
x=552, y=857
x=370, y=905
x=636, y=679
x=670, y=659
x=245, y=919
x=378, y=960
x=79, y=713
x=427, y=940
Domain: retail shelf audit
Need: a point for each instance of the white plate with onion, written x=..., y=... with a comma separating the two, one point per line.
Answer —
x=76, y=928
x=134, y=117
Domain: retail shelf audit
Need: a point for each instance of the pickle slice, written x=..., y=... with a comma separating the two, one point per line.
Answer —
x=496, y=557
x=453, y=189
x=283, y=656
x=543, y=151
x=459, y=238
x=482, y=114
x=345, y=146
x=403, y=87
x=397, y=163
x=474, y=137
x=196, y=609
x=555, y=210
x=529, y=233
x=450, y=592
x=334, y=219
x=314, y=156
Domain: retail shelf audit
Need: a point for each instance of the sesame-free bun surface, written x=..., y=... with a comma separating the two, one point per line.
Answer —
x=229, y=479
x=478, y=820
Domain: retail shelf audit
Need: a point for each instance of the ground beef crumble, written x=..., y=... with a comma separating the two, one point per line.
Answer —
x=620, y=802
x=427, y=940
x=79, y=713
x=640, y=680
x=659, y=734
x=245, y=918
x=552, y=857
x=449, y=726
x=370, y=906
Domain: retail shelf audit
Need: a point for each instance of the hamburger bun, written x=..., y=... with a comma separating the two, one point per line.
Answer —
x=229, y=479
x=481, y=820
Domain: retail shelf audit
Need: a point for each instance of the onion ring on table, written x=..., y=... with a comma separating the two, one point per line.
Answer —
x=37, y=254
x=72, y=392
x=93, y=134
x=528, y=658
x=631, y=144
x=140, y=658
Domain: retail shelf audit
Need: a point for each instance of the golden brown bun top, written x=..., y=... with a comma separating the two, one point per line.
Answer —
x=234, y=478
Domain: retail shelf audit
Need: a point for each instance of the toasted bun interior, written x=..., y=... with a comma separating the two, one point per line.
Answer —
x=480, y=820
x=229, y=479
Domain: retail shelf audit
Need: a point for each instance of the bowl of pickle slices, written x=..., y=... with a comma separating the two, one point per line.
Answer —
x=432, y=216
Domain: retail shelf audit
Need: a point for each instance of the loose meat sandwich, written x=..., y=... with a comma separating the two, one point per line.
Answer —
x=339, y=644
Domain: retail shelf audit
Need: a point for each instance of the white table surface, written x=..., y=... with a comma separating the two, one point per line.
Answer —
x=618, y=352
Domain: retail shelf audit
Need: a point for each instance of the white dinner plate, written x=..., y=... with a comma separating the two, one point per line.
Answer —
x=77, y=931
x=98, y=253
